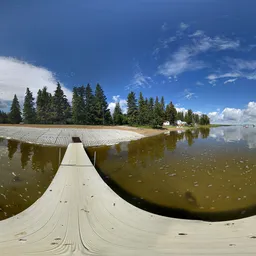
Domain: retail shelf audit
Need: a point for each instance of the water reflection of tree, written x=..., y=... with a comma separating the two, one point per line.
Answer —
x=205, y=132
x=189, y=137
x=147, y=149
x=196, y=133
x=26, y=152
x=43, y=156
x=171, y=141
x=12, y=148
x=118, y=148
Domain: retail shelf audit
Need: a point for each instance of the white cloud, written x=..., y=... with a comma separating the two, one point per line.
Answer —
x=185, y=58
x=250, y=111
x=156, y=52
x=180, y=62
x=238, y=69
x=139, y=79
x=181, y=110
x=230, y=81
x=3, y=104
x=212, y=82
x=250, y=47
x=235, y=115
x=239, y=64
x=215, y=117
x=164, y=27
x=222, y=43
x=232, y=114
x=198, y=33
x=183, y=26
x=16, y=76
x=122, y=102
x=189, y=95
x=199, y=83
x=198, y=113
x=230, y=134
x=165, y=43
x=226, y=75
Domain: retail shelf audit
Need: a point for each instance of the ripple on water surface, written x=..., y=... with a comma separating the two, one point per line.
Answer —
x=209, y=174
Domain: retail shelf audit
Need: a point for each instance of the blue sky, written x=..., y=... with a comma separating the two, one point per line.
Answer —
x=201, y=54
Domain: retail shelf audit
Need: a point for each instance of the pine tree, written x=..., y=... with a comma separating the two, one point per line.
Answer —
x=61, y=107
x=3, y=118
x=162, y=104
x=167, y=113
x=204, y=120
x=75, y=107
x=141, y=110
x=150, y=110
x=132, y=109
x=146, y=114
x=15, y=114
x=44, y=106
x=117, y=115
x=78, y=105
x=188, y=117
x=102, y=113
x=180, y=116
x=29, y=112
x=196, y=118
x=173, y=114
x=158, y=117
x=89, y=105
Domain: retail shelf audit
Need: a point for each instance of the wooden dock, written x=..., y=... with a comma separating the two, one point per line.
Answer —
x=80, y=215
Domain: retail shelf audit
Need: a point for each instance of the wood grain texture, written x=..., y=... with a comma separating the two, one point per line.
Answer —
x=80, y=215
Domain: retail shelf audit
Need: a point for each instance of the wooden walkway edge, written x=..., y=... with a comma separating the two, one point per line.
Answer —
x=80, y=215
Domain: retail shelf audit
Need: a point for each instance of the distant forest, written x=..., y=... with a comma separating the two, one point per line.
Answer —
x=91, y=108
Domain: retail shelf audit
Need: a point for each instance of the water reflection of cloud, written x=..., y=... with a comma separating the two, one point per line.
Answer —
x=232, y=134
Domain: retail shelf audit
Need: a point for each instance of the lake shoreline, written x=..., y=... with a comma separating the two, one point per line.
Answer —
x=61, y=135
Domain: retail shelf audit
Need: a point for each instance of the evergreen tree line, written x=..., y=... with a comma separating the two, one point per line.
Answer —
x=152, y=112
x=91, y=108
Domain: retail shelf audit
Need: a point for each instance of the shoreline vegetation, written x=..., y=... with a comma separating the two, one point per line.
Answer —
x=90, y=107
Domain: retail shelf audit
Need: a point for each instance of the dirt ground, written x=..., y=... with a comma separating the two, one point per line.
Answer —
x=143, y=131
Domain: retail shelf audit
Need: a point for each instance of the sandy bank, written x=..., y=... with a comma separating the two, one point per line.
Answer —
x=55, y=135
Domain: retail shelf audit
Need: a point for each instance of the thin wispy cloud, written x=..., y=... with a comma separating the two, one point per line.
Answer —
x=183, y=26
x=230, y=81
x=226, y=75
x=199, y=83
x=165, y=43
x=238, y=69
x=139, y=80
x=164, y=27
x=197, y=33
x=156, y=52
x=189, y=95
x=186, y=57
x=251, y=47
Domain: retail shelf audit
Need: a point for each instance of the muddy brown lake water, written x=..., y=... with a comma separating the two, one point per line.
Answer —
x=199, y=174
x=206, y=174
x=26, y=171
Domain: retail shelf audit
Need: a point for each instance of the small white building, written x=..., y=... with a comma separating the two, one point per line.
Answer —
x=181, y=123
x=166, y=123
